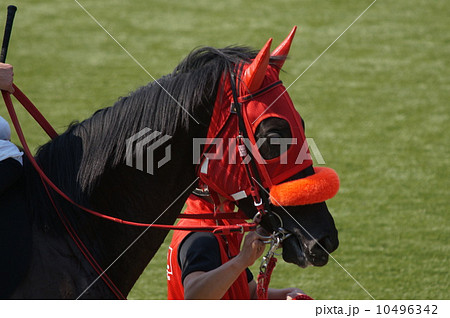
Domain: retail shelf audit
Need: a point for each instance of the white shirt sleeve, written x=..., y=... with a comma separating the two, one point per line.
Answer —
x=10, y=150
x=5, y=131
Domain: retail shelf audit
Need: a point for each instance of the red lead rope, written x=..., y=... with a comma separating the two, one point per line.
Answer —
x=262, y=287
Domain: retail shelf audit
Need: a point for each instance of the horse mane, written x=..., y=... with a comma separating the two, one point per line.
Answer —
x=78, y=157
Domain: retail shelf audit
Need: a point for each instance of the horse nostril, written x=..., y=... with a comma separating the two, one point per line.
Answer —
x=326, y=244
x=323, y=245
x=319, y=252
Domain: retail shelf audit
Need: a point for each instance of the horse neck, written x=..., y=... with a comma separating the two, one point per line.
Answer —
x=130, y=194
x=123, y=192
x=88, y=162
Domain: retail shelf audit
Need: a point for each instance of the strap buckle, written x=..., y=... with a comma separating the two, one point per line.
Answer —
x=275, y=241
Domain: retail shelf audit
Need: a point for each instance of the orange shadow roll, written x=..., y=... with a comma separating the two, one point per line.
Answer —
x=319, y=187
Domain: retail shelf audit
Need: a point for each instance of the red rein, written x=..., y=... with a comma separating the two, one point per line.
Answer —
x=263, y=278
x=28, y=105
x=34, y=112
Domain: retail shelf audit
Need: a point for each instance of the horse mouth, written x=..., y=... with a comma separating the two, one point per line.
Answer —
x=294, y=251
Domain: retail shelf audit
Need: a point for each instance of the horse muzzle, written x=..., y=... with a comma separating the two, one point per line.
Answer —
x=314, y=253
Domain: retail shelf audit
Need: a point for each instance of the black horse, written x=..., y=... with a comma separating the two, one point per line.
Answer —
x=88, y=163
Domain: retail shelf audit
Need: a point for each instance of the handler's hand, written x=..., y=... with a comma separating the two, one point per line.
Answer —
x=252, y=249
x=6, y=77
x=293, y=292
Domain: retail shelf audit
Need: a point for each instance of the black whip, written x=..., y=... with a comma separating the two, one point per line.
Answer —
x=8, y=28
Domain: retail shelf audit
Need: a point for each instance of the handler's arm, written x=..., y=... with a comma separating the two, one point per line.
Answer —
x=6, y=77
x=214, y=284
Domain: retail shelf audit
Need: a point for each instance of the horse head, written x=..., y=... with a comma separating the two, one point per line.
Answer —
x=264, y=164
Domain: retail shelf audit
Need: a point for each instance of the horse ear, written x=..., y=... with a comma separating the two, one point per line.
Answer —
x=283, y=48
x=255, y=73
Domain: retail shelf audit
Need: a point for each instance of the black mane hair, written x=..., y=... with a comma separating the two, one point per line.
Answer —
x=77, y=158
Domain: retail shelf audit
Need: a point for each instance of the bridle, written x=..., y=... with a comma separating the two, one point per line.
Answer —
x=259, y=197
x=48, y=184
x=258, y=194
x=261, y=203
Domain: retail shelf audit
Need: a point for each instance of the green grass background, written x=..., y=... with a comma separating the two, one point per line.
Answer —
x=376, y=104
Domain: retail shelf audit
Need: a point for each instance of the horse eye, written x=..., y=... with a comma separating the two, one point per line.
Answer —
x=270, y=130
x=274, y=134
x=270, y=148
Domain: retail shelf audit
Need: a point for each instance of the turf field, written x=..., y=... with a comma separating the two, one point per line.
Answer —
x=376, y=103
